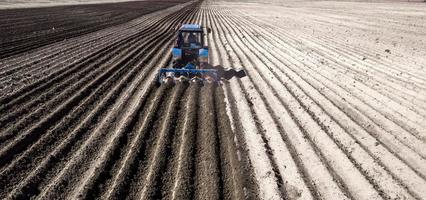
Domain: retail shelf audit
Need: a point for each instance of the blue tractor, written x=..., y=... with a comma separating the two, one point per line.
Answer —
x=190, y=57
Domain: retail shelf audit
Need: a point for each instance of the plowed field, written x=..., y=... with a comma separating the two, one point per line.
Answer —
x=333, y=105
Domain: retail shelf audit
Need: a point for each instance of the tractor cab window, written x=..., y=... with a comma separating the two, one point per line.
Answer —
x=190, y=39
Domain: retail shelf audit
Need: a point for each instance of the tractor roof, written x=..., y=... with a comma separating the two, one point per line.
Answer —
x=191, y=27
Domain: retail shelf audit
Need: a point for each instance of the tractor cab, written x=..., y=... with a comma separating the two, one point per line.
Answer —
x=190, y=36
x=189, y=46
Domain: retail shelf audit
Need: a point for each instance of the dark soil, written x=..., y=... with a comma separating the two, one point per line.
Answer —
x=175, y=143
x=29, y=28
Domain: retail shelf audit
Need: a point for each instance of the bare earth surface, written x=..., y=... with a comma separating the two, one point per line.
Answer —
x=335, y=103
x=333, y=107
x=11, y=4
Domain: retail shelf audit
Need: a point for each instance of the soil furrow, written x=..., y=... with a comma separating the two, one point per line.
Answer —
x=328, y=109
x=207, y=175
x=331, y=105
x=76, y=29
x=125, y=52
x=94, y=95
x=180, y=169
x=154, y=50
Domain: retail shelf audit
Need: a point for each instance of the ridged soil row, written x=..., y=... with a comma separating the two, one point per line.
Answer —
x=66, y=86
x=359, y=67
x=401, y=123
x=207, y=165
x=415, y=129
x=80, y=94
x=191, y=146
x=149, y=186
x=75, y=27
x=328, y=95
x=360, y=160
x=201, y=162
x=101, y=165
x=412, y=121
x=271, y=64
x=368, y=76
x=54, y=57
x=245, y=124
x=361, y=50
x=178, y=179
x=120, y=36
x=235, y=184
x=333, y=41
x=55, y=50
x=56, y=94
x=84, y=126
x=321, y=179
x=386, y=181
x=234, y=138
x=368, y=81
x=70, y=127
x=48, y=67
x=415, y=163
x=118, y=135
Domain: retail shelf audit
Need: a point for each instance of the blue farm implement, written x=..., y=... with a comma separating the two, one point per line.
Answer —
x=190, y=57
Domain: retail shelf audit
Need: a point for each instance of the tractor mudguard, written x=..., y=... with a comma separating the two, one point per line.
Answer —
x=176, y=53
